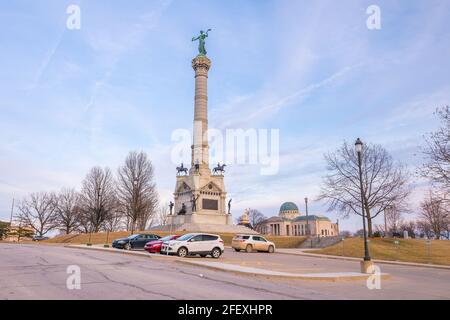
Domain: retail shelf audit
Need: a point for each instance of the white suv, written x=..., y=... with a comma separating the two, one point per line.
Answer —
x=202, y=244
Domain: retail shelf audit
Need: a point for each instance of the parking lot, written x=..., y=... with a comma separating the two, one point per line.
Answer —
x=33, y=271
x=282, y=262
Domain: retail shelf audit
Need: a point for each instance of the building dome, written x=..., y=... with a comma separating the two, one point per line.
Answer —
x=289, y=210
x=288, y=206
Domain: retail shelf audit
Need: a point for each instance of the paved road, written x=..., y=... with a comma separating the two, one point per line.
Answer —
x=39, y=272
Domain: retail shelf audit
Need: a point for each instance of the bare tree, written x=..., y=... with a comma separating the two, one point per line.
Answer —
x=446, y=232
x=379, y=229
x=38, y=212
x=256, y=218
x=98, y=198
x=4, y=227
x=394, y=219
x=115, y=219
x=434, y=216
x=410, y=227
x=137, y=190
x=68, y=210
x=384, y=182
x=345, y=234
x=163, y=215
x=437, y=152
x=83, y=219
x=424, y=229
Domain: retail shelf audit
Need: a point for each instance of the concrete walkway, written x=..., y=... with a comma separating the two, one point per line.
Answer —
x=228, y=267
x=335, y=276
x=301, y=252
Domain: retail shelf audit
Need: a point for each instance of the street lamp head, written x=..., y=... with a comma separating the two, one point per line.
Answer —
x=358, y=145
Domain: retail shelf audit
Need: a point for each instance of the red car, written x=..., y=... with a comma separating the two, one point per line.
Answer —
x=155, y=245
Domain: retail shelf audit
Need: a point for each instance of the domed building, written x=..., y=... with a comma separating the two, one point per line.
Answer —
x=289, y=210
x=290, y=222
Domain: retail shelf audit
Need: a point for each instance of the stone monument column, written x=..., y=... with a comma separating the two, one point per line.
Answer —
x=200, y=150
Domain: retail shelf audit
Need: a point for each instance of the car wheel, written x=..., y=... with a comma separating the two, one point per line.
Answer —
x=216, y=253
x=237, y=250
x=127, y=246
x=182, y=252
x=249, y=248
x=271, y=249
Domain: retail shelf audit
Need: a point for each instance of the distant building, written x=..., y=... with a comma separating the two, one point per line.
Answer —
x=290, y=222
x=18, y=233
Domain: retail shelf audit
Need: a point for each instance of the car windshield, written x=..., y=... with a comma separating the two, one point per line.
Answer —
x=185, y=237
x=167, y=238
x=133, y=236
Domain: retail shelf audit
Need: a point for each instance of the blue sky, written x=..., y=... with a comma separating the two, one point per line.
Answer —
x=73, y=99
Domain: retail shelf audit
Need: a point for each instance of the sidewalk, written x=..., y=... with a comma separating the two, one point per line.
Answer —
x=335, y=276
x=231, y=267
x=301, y=252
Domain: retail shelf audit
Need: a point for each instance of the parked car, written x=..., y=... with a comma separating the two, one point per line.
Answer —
x=135, y=241
x=40, y=238
x=202, y=244
x=250, y=243
x=155, y=245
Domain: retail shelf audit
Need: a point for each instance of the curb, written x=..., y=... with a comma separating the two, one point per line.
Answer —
x=125, y=252
x=400, y=263
x=325, y=277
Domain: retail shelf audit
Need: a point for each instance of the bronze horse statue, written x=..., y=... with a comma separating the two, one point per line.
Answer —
x=219, y=168
x=182, y=169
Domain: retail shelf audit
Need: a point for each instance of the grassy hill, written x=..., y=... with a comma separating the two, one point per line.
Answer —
x=100, y=238
x=407, y=250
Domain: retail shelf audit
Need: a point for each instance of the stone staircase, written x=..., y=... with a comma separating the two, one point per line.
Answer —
x=316, y=242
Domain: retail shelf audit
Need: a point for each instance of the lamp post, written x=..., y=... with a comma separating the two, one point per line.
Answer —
x=12, y=213
x=99, y=212
x=307, y=221
x=385, y=223
x=90, y=234
x=106, y=245
x=133, y=219
x=359, y=149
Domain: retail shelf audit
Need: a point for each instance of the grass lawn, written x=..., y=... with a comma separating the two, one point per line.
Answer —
x=409, y=250
x=100, y=238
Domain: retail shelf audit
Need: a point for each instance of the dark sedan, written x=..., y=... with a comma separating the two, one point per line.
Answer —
x=40, y=238
x=135, y=241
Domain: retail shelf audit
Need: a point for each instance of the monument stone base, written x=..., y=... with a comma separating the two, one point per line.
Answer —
x=366, y=266
x=200, y=218
x=204, y=227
